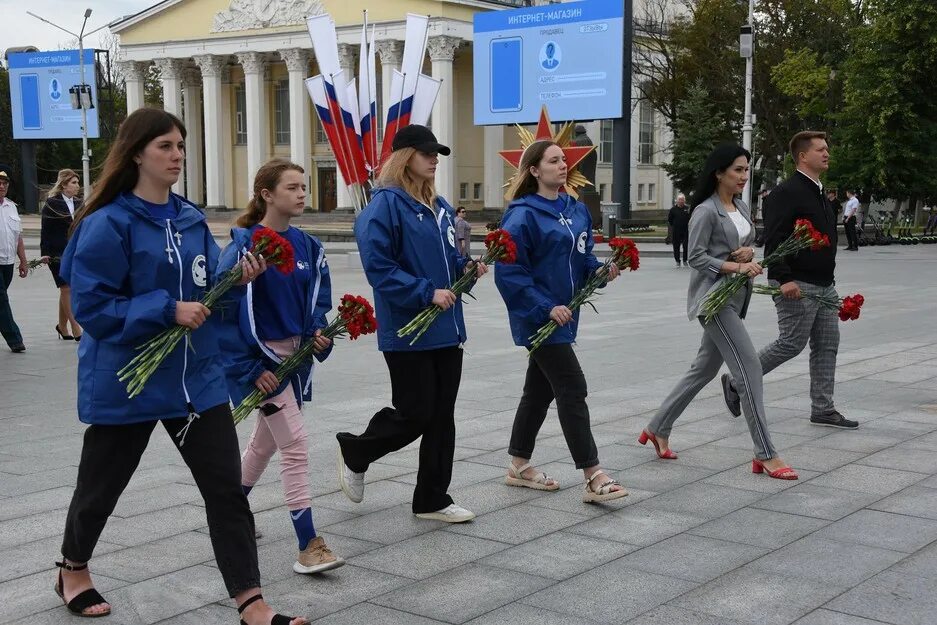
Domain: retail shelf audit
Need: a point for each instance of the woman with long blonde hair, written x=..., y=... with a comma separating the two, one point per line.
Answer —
x=553, y=233
x=406, y=237
x=57, y=214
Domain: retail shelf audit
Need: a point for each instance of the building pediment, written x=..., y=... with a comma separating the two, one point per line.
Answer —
x=254, y=14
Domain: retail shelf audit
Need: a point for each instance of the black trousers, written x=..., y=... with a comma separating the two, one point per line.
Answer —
x=8, y=327
x=111, y=454
x=554, y=373
x=424, y=387
x=680, y=239
x=852, y=240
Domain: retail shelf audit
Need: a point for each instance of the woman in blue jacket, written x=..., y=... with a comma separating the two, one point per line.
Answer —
x=138, y=262
x=278, y=314
x=406, y=237
x=553, y=234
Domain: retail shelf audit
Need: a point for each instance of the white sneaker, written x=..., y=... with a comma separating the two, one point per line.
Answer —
x=450, y=514
x=352, y=483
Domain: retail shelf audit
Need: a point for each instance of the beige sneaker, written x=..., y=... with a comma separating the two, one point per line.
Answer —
x=316, y=557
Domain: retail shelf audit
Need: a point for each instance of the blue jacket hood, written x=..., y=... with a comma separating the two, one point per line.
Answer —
x=127, y=270
x=554, y=260
x=408, y=250
x=245, y=356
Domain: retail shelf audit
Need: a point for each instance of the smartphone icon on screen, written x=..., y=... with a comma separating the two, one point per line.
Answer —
x=506, y=76
x=29, y=94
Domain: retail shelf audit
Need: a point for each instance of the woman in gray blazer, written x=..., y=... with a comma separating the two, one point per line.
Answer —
x=721, y=235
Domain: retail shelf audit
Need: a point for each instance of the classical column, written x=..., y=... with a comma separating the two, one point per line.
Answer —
x=170, y=75
x=231, y=175
x=391, y=53
x=256, y=105
x=192, y=106
x=134, y=73
x=494, y=167
x=213, y=67
x=297, y=63
x=442, y=52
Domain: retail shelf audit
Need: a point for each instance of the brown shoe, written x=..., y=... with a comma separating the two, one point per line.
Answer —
x=316, y=557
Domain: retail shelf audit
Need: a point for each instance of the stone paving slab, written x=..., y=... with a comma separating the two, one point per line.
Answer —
x=699, y=540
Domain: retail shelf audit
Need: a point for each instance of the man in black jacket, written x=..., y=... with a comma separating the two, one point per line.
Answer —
x=679, y=221
x=802, y=320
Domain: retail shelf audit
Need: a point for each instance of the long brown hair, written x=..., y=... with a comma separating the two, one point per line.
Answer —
x=64, y=176
x=524, y=182
x=267, y=177
x=395, y=173
x=120, y=173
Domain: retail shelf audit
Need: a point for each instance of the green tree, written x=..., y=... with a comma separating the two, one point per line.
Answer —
x=888, y=128
x=699, y=127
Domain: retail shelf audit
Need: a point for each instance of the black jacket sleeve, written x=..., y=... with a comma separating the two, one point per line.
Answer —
x=778, y=214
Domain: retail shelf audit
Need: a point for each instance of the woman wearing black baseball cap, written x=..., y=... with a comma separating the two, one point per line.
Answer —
x=406, y=237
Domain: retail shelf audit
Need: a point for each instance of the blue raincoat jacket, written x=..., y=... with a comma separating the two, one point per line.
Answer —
x=408, y=250
x=554, y=260
x=126, y=270
x=244, y=354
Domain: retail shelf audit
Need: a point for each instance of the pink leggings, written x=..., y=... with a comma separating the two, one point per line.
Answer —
x=283, y=430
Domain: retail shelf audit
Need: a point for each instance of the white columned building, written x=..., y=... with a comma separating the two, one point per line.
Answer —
x=442, y=53
x=192, y=107
x=134, y=73
x=493, y=167
x=297, y=64
x=213, y=66
x=170, y=75
x=254, y=64
x=390, y=52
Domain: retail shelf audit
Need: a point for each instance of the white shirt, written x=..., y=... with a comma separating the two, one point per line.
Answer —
x=70, y=202
x=852, y=205
x=741, y=224
x=10, y=229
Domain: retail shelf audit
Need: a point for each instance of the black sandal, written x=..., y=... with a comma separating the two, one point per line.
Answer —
x=83, y=600
x=278, y=619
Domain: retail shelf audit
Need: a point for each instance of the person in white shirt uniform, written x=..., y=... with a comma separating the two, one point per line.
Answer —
x=850, y=214
x=11, y=248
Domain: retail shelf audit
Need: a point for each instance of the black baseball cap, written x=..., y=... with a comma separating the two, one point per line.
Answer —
x=419, y=137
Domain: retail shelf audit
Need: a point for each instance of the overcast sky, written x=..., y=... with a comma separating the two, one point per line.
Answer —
x=19, y=29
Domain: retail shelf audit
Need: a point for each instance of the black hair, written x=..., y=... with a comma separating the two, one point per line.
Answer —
x=719, y=160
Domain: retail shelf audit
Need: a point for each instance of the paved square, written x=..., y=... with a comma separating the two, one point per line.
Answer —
x=700, y=540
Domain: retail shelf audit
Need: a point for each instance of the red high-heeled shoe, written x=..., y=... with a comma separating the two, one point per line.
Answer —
x=647, y=436
x=784, y=473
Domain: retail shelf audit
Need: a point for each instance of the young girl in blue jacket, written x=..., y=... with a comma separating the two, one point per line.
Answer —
x=138, y=261
x=278, y=314
x=406, y=237
x=553, y=234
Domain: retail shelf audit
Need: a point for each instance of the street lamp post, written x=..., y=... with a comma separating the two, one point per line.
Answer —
x=85, y=152
x=747, y=51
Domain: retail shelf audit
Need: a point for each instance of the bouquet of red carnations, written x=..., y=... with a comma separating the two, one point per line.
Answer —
x=804, y=236
x=847, y=308
x=265, y=242
x=355, y=317
x=624, y=256
x=499, y=248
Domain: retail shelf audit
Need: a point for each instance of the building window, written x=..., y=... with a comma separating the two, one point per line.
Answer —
x=463, y=190
x=602, y=192
x=320, y=131
x=281, y=112
x=605, y=141
x=641, y=192
x=240, y=115
x=651, y=192
x=645, y=133
x=477, y=191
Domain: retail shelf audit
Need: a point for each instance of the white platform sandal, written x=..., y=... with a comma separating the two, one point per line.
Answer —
x=604, y=492
x=539, y=482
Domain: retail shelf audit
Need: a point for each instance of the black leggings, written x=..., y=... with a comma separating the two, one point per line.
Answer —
x=553, y=372
x=111, y=454
x=425, y=385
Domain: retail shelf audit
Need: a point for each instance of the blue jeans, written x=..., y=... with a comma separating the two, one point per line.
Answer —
x=8, y=327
